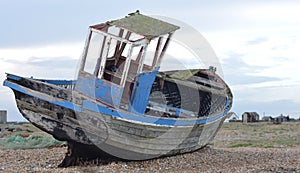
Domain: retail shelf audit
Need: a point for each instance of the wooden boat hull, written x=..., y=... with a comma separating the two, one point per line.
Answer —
x=85, y=123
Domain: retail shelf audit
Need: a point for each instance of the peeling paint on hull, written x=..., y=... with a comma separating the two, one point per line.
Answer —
x=113, y=135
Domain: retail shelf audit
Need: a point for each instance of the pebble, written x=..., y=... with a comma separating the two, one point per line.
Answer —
x=205, y=160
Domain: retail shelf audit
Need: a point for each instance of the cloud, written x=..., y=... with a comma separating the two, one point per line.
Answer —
x=53, y=62
x=242, y=79
x=238, y=72
x=45, y=67
x=257, y=41
x=72, y=50
x=261, y=71
x=46, y=22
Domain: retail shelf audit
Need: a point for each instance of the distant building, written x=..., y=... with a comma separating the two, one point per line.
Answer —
x=3, y=116
x=250, y=117
x=267, y=118
x=280, y=119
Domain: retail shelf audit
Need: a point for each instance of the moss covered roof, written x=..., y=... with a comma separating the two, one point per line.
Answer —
x=144, y=25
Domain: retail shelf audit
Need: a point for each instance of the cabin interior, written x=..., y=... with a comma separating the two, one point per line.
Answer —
x=116, y=68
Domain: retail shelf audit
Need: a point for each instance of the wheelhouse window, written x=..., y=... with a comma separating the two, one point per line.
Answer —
x=93, y=52
x=118, y=55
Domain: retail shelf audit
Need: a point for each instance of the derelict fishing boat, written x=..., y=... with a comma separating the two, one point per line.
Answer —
x=121, y=105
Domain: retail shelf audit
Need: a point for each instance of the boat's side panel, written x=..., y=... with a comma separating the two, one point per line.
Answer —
x=120, y=138
x=116, y=133
x=63, y=126
x=99, y=89
x=141, y=92
x=42, y=87
x=143, y=141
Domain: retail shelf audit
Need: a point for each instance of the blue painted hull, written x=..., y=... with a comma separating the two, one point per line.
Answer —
x=73, y=117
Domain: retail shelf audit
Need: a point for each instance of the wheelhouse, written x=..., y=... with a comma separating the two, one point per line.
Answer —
x=116, y=68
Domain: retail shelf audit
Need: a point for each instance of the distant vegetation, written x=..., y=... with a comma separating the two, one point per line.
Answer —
x=260, y=134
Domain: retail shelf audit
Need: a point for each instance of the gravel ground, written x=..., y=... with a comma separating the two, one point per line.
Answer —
x=206, y=160
x=279, y=151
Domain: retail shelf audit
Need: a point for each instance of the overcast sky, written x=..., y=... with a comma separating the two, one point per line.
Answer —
x=256, y=42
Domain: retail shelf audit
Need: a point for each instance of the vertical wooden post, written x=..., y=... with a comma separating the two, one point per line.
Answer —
x=96, y=72
x=117, y=49
x=158, y=47
x=126, y=67
x=164, y=49
x=103, y=58
x=141, y=61
x=87, y=43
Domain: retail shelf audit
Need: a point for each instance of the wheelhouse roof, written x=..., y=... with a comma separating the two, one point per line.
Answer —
x=142, y=25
